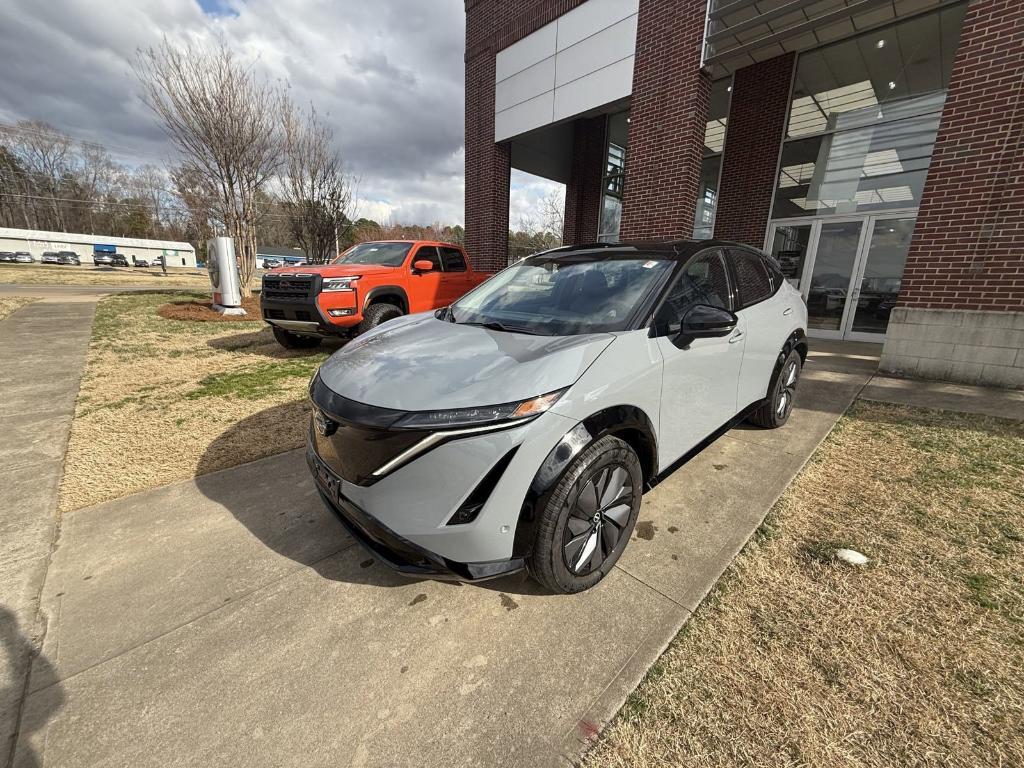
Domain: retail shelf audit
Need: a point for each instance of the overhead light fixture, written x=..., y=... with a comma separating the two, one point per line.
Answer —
x=729, y=89
x=892, y=86
x=880, y=44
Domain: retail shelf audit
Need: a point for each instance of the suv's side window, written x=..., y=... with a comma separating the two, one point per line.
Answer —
x=703, y=281
x=453, y=259
x=428, y=253
x=752, y=279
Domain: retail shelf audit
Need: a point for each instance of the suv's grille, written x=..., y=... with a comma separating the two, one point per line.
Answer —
x=288, y=287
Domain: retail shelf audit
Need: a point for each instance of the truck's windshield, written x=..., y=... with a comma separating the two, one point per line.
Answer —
x=383, y=254
x=563, y=294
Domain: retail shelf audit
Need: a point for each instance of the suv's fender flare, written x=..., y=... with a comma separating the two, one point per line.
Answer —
x=627, y=421
x=380, y=290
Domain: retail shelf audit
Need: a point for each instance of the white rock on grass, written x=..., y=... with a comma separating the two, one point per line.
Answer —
x=851, y=556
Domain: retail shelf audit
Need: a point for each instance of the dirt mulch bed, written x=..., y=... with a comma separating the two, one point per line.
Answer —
x=203, y=311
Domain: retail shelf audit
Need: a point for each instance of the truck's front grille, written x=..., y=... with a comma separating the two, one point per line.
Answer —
x=289, y=287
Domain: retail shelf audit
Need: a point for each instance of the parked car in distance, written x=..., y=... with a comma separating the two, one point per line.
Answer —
x=118, y=260
x=50, y=257
x=102, y=259
x=69, y=258
x=519, y=427
x=273, y=263
x=367, y=285
x=6, y=256
x=24, y=257
x=136, y=262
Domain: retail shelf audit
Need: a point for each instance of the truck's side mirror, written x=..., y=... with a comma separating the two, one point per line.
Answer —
x=423, y=265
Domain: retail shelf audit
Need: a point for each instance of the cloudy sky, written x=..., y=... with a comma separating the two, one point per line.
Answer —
x=387, y=75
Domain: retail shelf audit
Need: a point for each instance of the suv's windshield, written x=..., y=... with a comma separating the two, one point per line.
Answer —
x=383, y=254
x=563, y=294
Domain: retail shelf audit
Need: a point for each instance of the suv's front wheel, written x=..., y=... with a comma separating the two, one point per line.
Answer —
x=588, y=518
x=377, y=314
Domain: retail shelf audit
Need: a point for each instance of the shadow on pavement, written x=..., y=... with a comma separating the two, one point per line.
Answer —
x=276, y=500
x=18, y=655
x=262, y=344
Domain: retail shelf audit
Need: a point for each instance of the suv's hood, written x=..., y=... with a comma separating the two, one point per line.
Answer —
x=420, y=363
x=333, y=270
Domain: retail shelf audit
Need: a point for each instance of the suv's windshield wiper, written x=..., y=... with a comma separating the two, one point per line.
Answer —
x=493, y=325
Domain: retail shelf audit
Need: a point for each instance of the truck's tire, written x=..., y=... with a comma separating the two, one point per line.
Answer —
x=775, y=410
x=593, y=508
x=377, y=314
x=290, y=340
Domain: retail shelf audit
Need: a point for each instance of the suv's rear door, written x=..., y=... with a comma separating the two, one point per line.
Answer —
x=759, y=307
x=698, y=393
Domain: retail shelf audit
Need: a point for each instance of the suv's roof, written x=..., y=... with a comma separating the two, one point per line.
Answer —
x=417, y=242
x=666, y=249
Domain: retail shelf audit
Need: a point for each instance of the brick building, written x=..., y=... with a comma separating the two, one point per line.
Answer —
x=876, y=147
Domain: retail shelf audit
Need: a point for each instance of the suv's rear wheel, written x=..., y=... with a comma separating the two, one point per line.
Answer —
x=779, y=404
x=589, y=517
x=377, y=314
x=290, y=340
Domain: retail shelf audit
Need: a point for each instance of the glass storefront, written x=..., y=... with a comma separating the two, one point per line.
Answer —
x=614, y=177
x=862, y=125
x=711, y=165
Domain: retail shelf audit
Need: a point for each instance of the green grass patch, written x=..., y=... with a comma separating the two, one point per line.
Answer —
x=257, y=382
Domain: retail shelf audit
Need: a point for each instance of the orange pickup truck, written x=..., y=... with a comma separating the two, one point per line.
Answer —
x=365, y=286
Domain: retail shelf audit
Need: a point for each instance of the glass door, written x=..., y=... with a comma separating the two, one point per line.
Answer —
x=848, y=269
x=879, y=274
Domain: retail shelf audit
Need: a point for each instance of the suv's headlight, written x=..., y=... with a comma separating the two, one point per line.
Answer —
x=340, y=283
x=479, y=416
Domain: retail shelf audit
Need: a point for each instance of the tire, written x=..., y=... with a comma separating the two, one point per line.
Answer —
x=574, y=520
x=775, y=410
x=376, y=314
x=290, y=340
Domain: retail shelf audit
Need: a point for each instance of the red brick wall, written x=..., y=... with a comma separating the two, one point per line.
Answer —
x=757, y=120
x=583, y=192
x=492, y=25
x=667, y=119
x=968, y=245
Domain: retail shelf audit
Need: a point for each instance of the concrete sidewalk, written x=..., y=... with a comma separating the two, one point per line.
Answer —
x=42, y=351
x=229, y=620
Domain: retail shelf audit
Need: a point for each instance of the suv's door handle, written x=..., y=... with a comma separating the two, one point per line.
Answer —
x=787, y=311
x=736, y=337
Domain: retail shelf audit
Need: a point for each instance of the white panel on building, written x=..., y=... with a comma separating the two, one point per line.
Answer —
x=524, y=117
x=608, y=46
x=525, y=53
x=600, y=87
x=525, y=85
x=591, y=17
x=588, y=52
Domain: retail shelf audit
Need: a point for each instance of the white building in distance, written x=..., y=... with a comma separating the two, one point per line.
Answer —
x=38, y=242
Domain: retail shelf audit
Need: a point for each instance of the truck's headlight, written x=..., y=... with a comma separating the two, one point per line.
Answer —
x=340, y=283
x=479, y=416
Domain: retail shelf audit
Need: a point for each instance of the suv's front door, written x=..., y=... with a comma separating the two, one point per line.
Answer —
x=426, y=288
x=698, y=392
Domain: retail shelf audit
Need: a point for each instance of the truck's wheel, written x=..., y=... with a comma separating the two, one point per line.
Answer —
x=377, y=314
x=779, y=403
x=588, y=519
x=290, y=340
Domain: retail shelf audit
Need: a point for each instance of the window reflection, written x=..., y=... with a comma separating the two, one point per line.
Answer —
x=711, y=165
x=614, y=180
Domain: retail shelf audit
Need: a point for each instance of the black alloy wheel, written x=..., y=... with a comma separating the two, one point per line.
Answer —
x=597, y=519
x=777, y=407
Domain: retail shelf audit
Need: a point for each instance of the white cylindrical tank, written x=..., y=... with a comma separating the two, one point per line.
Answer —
x=223, y=270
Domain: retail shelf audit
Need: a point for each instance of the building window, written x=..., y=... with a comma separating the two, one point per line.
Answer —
x=711, y=164
x=614, y=178
x=863, y=118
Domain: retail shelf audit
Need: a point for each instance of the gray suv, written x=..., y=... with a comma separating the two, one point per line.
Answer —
x=519, y=427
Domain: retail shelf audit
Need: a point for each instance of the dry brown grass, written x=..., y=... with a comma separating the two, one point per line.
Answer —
x=9, y=304
x=202, y=311
x=55, y=274
x=915, y=660
x=163, y=400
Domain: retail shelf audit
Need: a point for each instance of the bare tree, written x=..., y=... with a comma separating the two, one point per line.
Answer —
x=44, y=155
x=225, y=122
x=317, y=193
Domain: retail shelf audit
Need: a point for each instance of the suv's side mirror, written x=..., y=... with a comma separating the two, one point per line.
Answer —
x=705, y=322
x=423, y=265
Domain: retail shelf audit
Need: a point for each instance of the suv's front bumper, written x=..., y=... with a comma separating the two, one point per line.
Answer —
x=296, y=303
x=400, y=554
